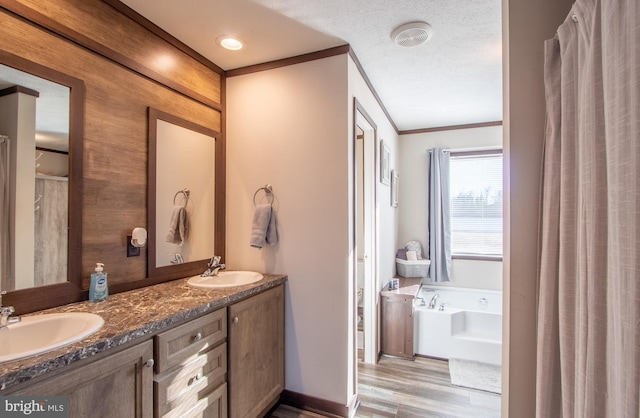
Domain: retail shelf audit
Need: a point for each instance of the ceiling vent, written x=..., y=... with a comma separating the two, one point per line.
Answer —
x=412, y=34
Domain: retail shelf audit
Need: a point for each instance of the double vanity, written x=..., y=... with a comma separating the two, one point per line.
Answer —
x=176, y=349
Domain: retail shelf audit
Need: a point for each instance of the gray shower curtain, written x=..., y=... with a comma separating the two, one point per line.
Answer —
x=439, y=216
x=588, y=351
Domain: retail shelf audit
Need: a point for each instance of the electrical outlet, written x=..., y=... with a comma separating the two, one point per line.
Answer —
x=131, y=250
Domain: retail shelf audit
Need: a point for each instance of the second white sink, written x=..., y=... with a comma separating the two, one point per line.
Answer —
x=41, y=333
x=225, y=279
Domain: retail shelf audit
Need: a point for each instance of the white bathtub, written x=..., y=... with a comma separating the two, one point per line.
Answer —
x=469, y=326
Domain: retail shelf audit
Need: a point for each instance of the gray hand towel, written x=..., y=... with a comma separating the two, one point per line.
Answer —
x=177, y=226
x=263, y=228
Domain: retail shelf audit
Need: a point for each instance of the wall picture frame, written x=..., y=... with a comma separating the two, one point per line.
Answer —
x=385, y=164
x=394, y=188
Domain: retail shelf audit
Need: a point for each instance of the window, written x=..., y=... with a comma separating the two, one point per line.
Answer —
x=476, y=204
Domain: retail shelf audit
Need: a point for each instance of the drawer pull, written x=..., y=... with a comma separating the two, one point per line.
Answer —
x=195, y=379
x=197, y=337
x=235, y=319
x=149, y=363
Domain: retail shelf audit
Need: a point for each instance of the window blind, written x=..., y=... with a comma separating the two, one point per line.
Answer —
x=476, y=203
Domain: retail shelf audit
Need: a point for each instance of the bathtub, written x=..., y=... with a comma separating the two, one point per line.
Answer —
x=465, y=324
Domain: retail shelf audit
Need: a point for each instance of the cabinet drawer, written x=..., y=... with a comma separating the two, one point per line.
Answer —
x=179, y=344
x=182, y=388
x=212, y=405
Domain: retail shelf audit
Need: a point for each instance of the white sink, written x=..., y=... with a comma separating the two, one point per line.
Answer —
x=41, y=333
x=225, y=279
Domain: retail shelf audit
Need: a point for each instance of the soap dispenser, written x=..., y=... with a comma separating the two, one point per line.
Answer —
x=98, y=289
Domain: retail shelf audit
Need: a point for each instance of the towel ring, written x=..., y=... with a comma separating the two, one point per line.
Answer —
x=185, y=192
x=268, y=190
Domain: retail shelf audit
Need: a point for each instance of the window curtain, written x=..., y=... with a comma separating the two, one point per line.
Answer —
x=5, y=283
x=439, y=216
x=588, y=348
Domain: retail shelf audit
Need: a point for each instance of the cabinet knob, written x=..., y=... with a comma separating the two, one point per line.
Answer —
x=149, y=363
x=235, y=319
x=195, y=379
x=197, y=337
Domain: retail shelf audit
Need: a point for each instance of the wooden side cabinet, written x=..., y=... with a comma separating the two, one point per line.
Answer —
x=256, y=353
x=119, y=385
x=397, y=326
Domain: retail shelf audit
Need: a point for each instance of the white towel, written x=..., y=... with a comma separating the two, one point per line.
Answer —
x=263, y=228
x=177, y=226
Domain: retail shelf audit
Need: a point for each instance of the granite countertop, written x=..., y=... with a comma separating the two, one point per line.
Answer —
x=129, y=316
x=408, y=286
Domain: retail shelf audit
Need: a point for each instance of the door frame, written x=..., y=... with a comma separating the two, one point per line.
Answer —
x=362, y=120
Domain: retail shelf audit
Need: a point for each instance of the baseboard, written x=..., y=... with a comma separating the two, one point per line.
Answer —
x=432, y=357
x=353, y=405
x=318, y=405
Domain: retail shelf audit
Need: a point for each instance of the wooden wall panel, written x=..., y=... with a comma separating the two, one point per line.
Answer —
x=96, y=24
x=115, y=133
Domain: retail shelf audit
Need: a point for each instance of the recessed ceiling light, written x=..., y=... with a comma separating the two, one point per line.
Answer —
x=230, y=42
x=412, y=34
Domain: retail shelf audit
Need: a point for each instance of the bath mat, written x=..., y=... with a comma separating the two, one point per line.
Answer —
x=476, y=375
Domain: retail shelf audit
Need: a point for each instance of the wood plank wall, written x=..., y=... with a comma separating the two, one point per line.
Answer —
x=118, y=60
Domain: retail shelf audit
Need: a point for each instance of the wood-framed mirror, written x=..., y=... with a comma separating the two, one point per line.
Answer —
x=47, y=130
x=186, y=191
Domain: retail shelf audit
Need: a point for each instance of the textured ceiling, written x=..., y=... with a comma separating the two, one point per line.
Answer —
x=455, y=78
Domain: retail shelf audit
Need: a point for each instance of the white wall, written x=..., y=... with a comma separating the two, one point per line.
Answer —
x=52, y=163
x=196, y=172
x=292, y=127
x=413, y=200
x=289, y=127
x=18, y=122
x=387, y=215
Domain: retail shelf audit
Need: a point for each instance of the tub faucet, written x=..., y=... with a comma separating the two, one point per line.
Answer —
x=213, y=267
x=5, y=313
x=432, y=302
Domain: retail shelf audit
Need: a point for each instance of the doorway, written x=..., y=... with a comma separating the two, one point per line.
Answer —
x=365, y=239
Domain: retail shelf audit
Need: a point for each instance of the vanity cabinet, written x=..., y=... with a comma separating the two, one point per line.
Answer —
x=397, y=314
x=119, y=385
x=397, y=326
x=226, y=363
x=191, y=369
x=256, y=353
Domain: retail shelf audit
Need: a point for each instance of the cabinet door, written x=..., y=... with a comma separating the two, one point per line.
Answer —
x=256, y=353
x=397, y=326
x=118, y=386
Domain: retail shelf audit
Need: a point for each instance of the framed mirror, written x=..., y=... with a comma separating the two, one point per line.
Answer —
x=186, y=196
x=41, y=124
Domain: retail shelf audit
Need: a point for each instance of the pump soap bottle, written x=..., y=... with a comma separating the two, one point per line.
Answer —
x=98, y=289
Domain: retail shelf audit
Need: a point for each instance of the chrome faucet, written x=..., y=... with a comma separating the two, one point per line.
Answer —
x=6, y=312
x=432, y=302
x=213, y=267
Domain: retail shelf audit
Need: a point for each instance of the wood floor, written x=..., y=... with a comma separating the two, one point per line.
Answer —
x=411, y=389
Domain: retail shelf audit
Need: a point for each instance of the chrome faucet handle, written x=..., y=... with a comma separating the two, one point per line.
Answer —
x=7, y=311
x=213, y=266
x=215, y=261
